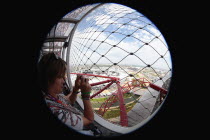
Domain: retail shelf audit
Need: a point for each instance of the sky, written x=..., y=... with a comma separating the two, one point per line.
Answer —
x=109, y=25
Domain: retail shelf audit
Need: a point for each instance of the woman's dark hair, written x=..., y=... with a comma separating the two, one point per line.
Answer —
x=50, y=67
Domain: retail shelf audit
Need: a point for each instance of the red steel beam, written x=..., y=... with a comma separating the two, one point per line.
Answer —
x=102, y=82
x=110, y=101
x=101, y=90
x=155, y=87
x=107, y=104
x=123, y=113
x=113, y=78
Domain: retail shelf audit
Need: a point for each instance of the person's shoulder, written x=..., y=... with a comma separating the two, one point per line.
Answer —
x=63, y=97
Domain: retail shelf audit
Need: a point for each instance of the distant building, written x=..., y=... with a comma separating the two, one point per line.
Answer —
x=88, y=72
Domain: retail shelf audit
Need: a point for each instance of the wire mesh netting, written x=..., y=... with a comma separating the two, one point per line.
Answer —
x=123, y=54
x=116, y=41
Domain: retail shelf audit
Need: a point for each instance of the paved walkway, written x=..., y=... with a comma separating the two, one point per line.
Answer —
x=143, y=108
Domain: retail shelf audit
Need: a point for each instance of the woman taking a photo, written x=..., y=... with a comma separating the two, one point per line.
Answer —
x=52, y=74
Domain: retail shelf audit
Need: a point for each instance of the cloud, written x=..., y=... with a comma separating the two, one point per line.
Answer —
x=89, y=38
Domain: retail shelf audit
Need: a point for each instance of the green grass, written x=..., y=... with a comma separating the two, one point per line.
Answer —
x=127, y=95
x=112, y=113
x=115, y=112
x=99, y=99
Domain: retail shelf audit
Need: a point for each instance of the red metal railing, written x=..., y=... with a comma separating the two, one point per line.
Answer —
x=118, y=94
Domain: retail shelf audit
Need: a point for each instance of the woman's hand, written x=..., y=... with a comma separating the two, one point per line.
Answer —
x=84, y=85
x=77, y=84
